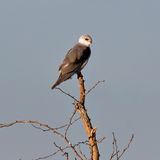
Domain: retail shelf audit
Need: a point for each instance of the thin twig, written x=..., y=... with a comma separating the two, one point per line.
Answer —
x=101, y=139
x=125, y=149
x=116, y=145
x=115, y=151
x=67, y=94
x=86, y=142
x=70, y=122
x=80, y=151
x=47, y=156
x=65, y=154
x=94, y=86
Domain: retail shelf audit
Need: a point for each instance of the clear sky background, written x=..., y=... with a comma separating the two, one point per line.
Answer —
x=34, y=37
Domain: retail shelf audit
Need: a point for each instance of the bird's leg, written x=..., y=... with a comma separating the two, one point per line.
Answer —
x=79, y=75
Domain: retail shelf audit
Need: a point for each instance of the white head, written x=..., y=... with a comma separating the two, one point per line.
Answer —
x=85, y=40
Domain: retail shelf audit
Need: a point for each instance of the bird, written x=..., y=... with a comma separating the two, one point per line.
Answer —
x=75, y=59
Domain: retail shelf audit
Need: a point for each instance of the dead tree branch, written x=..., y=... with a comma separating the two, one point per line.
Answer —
x=94, y=86
x=115, y=151
x=45, y=127
x=90, y=131
x=69, y=95
x=70, y=122
x=64, y=154
x=62, y=131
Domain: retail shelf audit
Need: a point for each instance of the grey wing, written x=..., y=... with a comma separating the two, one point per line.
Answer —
x=67, y=60
x=75, y=59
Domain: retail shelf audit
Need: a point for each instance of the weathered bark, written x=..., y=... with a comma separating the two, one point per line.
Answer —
x=90, y=131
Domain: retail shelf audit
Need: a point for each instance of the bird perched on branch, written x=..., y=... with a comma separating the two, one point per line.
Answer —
x=75, y=60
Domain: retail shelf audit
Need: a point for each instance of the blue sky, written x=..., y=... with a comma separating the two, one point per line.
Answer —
x=35, y=36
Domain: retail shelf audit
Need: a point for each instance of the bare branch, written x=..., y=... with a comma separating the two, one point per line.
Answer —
x=69, y=95
x=115, y=151
x=62, y=131
x=64, y=148
x=90, y=131
x=94, y=86
x=82, y=142
x=47, y=156
x=65, y=154
x=116, y=145
x=70, y=122
x=101, y=139
x=61, y=127
x=128, y=145
x=80, y=151
x=44, y=127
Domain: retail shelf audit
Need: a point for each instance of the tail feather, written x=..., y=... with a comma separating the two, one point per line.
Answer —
x=57, y=83
x=61, y=79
